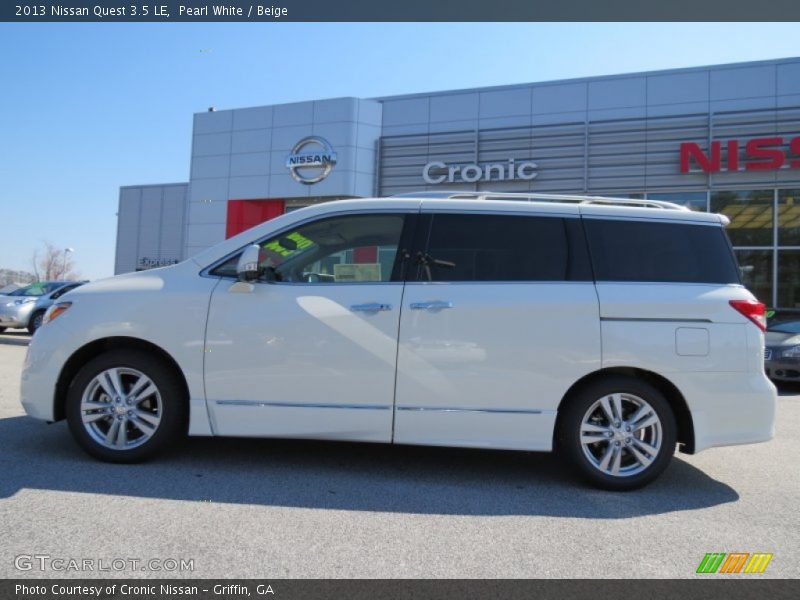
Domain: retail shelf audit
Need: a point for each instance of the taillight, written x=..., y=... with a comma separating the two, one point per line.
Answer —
x=753, y=310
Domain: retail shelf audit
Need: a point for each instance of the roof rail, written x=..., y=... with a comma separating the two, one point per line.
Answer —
x=575, y=199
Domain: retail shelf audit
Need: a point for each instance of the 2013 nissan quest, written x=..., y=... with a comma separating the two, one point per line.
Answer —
x=608, y=330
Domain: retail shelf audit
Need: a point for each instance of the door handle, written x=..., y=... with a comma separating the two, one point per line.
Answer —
x=431, y=305
x=370, y=307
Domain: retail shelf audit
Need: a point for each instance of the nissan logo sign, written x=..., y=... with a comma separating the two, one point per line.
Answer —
x=311, y=160
x=438, y=172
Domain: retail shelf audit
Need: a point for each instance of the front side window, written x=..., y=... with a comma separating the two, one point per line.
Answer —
x=67, y=288
x=660, y=252
x=346, y=249
x=475, y=247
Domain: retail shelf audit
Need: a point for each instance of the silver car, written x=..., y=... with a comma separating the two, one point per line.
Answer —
x=782, y=352
x=24, y=308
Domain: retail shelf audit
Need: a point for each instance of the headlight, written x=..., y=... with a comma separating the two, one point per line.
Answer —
x=55, y=311
x=23, y=301
x=793, y=352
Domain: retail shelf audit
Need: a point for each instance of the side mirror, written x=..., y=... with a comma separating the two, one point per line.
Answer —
x=247, y=268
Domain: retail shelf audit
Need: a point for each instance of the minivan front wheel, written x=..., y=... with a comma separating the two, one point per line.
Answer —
x=619, y=433
x=125, y=406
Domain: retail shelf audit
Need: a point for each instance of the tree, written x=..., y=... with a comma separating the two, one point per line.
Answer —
x=51, y=263
x=9, y=276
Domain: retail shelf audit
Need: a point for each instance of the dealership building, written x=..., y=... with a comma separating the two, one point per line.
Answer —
x=722, y=138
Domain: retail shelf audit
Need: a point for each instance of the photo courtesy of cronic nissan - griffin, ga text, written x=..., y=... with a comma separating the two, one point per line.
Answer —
x=607, y=330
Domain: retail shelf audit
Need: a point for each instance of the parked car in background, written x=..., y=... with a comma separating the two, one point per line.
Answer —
x=24, y=308
x=782, y=351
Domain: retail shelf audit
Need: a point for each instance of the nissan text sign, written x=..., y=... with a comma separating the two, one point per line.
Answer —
x=759, y=154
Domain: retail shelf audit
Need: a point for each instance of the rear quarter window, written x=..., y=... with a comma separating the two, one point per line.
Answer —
x=660, y=252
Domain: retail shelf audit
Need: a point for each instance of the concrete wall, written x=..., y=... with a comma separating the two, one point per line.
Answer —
x=150, y=226
x=241, y=154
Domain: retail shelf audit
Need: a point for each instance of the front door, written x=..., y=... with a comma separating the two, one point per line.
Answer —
x=498, y=322
x=311, y=351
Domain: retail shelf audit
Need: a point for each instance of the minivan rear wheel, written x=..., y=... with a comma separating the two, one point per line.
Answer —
x=125, y=406
x=618, y=433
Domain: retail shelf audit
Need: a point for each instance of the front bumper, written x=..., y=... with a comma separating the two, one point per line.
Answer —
x=47, y=353
x=779, y=368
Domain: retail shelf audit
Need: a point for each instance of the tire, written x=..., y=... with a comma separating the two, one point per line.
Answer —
x=35, y=321
x=585, y=418
x=154, y=418
x=2, y=329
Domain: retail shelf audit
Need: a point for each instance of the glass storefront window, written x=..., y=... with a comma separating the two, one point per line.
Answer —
x=756, y=268
x=692, y=200
x=789, y=278
x=628, y=195
x=751, y=215
x=789, y=217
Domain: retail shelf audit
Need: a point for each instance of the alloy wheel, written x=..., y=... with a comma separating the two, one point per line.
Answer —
x=621, y=434
x=121, y=408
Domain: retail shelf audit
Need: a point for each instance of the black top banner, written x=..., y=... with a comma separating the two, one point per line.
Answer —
x=398, y=10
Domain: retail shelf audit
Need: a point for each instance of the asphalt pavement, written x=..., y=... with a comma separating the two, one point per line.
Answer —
x=271, y=508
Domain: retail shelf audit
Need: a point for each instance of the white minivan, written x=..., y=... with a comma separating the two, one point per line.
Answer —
x=609, y=330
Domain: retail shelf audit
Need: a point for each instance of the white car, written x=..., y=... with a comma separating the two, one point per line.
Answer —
x=609, y=330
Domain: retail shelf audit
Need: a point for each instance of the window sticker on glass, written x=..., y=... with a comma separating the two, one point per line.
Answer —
x=289, y=244
x=345, y=272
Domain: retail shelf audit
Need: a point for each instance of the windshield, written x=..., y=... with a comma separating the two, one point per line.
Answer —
x=40, y=288
x=785, y=327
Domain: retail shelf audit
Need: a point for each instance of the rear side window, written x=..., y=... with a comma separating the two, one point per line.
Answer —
x=60, y=292
x=660, y=252
x=475, y=247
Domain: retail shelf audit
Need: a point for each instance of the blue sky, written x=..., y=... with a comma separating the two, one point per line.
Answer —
x=85, y=108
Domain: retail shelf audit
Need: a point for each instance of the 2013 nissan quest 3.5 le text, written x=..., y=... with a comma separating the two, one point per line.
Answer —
x=608, y=330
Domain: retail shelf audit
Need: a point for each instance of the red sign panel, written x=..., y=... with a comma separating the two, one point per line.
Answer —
x=759, y=154
x=244, y=214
